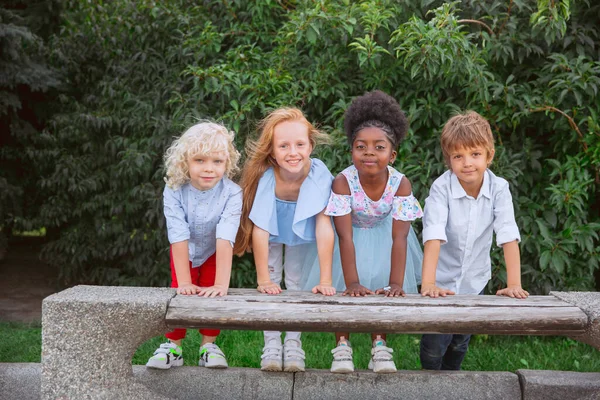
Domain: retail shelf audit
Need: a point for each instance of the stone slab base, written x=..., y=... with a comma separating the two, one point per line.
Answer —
x=22, y=381
x=558, y=385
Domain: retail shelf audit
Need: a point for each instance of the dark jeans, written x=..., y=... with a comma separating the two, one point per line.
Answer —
x=445, y=352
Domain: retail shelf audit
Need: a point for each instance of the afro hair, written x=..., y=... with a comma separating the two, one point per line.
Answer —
x=372, y=110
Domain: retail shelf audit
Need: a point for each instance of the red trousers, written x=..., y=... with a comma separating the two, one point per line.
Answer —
x=203, y=276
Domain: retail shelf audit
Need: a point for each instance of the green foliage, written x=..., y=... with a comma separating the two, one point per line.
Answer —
x=137, y=73
x=27, y=86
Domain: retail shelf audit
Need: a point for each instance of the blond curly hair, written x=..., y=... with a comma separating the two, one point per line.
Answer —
x=201, y=139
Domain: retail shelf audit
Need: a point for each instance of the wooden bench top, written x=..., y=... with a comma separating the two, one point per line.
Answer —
x=246, y=309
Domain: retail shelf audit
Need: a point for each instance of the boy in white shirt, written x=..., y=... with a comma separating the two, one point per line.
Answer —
x=464, y=206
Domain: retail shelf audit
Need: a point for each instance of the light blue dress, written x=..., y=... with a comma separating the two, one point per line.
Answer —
x=372, y=234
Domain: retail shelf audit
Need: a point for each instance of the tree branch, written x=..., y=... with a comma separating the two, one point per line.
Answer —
x=572, y=122
x=474, y=21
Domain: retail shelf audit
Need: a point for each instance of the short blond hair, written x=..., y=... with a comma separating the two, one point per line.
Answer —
x=202, y=139
x=466, y=130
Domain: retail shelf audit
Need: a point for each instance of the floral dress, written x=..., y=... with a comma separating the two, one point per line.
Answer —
x=372, y=232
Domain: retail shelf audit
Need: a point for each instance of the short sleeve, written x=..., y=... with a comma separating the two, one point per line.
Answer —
x=505, y=225
x=338, y=205
x=230, y=217
x=435, y=216
x=178, y=228
x=406, y=208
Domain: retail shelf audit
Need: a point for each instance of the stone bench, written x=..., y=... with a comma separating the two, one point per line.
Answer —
x=90, y=333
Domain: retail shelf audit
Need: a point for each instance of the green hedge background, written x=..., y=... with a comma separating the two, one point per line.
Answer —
x=91, y=93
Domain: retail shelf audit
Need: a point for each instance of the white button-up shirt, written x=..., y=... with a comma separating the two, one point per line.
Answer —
x=464, y=225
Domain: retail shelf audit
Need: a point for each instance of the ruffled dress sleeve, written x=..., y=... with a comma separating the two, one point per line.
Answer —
x=339, y=204
x=406, y=208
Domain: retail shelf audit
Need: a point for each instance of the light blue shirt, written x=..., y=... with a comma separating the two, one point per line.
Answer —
x=288, y=222
x=202, y=217
x=464, y=225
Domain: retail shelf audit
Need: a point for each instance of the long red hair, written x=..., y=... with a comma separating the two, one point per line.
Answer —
x=259, y=159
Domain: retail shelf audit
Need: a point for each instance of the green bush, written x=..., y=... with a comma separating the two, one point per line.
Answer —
x=137, y=73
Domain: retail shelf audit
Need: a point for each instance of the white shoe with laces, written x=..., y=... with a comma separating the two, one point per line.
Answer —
x=271, y=359
x=293, y=356
x=342, y=359
x=382, y=361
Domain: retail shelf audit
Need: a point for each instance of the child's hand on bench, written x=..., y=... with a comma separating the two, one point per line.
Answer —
x=434, y=291
x=188, y=289
x=325, y=289
x=213, y=291
x=269, y=288
x=513, y=291
x=356, y=290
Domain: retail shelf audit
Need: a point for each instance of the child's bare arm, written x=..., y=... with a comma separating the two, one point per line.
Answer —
x=431, y=254
x=400, y=231
x=182, y=268
x=224, y=260
x=398, y=262
x=325, y=240
x=512, y=258
x=260, y=249
x=343, y=227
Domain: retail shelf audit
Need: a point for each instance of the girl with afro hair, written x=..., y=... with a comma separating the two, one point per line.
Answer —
x=372, y=207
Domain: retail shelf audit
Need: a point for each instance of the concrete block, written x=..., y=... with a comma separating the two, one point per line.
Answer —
x=559, y=385
x=434, y=385
x=232, y=383
x=20, y=381
x=89, y=336
x=589, y=303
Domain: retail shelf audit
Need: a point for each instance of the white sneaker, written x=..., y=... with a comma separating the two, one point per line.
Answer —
x=293, y=356
x=382, y=361
x=271, y=356
x=166, y=356
x=211, y=356
x=342, y=359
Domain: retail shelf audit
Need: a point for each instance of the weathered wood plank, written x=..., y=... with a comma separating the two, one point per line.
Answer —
x=414, y=314
x=251, y=295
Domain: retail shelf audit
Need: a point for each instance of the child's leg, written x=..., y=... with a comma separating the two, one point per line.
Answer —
x=178, y=334
x=433, y=348
x=271, y=359
x=293, y=355
x=456, y=352
x=292, y=267
x=170, y=354
x=206, y=278
x=275, y=274
x=211, y=355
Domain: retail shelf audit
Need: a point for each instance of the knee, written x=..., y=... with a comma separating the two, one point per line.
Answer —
x=460, y=346
x=432, y=347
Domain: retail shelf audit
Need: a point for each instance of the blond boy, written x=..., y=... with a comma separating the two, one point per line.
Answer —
x=465, y=206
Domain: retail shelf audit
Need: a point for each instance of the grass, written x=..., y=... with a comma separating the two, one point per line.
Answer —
x=22, y=343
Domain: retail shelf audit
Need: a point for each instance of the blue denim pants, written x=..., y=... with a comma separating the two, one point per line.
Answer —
x=444, y=352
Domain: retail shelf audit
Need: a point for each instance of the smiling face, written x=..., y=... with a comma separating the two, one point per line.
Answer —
x=207, y=170
x=469, y=165
x=291, y=147
x=372, y=151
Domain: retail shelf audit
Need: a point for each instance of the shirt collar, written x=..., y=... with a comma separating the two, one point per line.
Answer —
x=208, y=191
x=458, y=191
